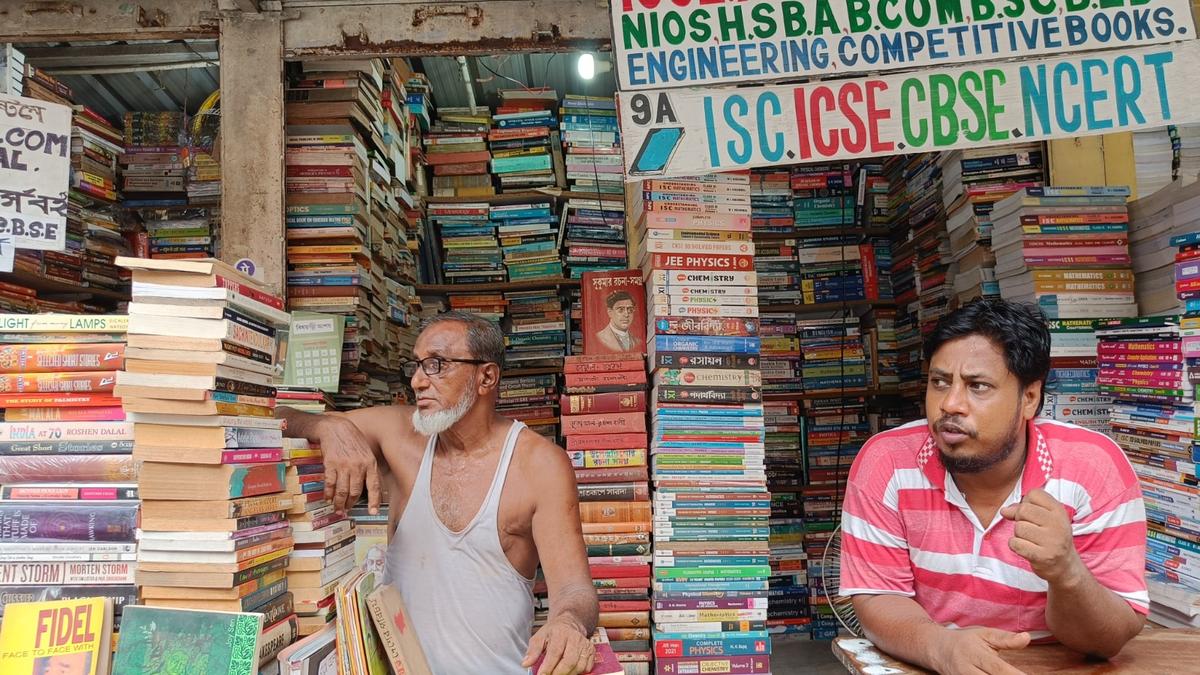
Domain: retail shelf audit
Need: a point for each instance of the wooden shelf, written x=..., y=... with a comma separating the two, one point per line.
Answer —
x=825, y=306
x=820, y=232
x=48, y=286
x=834, y=393
x=526, y=195
x=529, y=372
x=531, y=285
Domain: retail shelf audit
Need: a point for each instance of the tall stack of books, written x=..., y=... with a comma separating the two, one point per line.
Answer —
x=198, y=385
x=533, y=399
x=918, y=222
x=874, y=184
x=204, y=177
x=323, y=539
x=592, y=144
x=1072, y=390
x=154, y=168
x=771, y=201
x=68, y=490
x=712, y=508
x=883, y=346
x=904, y=277
x=529, y=238
x=781, y=357
x=788, y=594
x=778, y=272
x=834, y=431
x=535, y=329
x=605, y=432
x=472, y=253
x=524, y=140
x=456, y=150
x=594, y=238
x=1067, y=250
x=179, y=233
x=1145, y=367
x=972, y=181
x=834, y=358
x=1153, y=221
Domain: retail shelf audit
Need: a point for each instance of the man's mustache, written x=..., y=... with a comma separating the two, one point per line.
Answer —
x=950, y=424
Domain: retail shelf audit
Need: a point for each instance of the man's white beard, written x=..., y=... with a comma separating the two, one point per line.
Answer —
x=436, y=422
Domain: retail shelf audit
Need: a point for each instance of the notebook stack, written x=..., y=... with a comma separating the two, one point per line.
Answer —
x=456, y=151
x=592, y=144
x=198, y=384
x=1145, y=367
x=68, y=485
x=529, y=238
x=973, y=180
x=834, y=431
x=1072, y=392
x=781, y=357
x=524, y=140
x=323, y=540
x=1153, y=221
x=788, y=594
x=771, y=202
x=594, y=236
x=471, y=250
x=712, y=508
x=605, y=432
x=535, y=329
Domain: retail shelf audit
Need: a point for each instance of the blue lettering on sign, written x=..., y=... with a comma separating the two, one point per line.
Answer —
x=1092, y=95
x=772, y=153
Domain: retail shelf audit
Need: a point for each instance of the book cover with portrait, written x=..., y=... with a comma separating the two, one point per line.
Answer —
x=614, y=312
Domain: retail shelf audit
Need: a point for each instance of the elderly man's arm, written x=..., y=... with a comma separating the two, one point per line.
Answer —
x=558, y=535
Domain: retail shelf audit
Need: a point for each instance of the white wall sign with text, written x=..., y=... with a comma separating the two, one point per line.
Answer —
x=35, y=170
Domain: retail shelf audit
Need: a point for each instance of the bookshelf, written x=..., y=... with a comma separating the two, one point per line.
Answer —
x=530, y=372
x=530, y=285
x=50, y=286
x=824, y=307
x=822, y=232
x=517, y=197
x=839, y=393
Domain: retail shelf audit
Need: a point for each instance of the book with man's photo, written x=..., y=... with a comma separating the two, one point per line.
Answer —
x=614, y=312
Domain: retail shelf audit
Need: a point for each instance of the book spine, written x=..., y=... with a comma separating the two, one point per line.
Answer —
x=605, y=378
x=605, y=423
x=66, y=573
x=701, y=262
x=607, y=442
x=614, y=492
x=602, y=403
x=68, y=382
x=706, y=326
x=56, y=432
x=593, y=459
x=62, y=492
x=685, y=394
x=45, y=358
x=121, y=594
x=57, y=521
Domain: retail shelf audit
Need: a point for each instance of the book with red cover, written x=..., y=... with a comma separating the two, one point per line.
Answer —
x=607, y=442
x=604, y=363
x=601, y=379
x=614, y=312
x=575, y=404
x=606, y=662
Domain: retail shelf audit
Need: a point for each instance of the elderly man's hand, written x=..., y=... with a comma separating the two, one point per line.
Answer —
x=568, y=651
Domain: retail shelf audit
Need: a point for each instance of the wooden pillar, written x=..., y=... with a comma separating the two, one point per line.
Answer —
x=252, y=142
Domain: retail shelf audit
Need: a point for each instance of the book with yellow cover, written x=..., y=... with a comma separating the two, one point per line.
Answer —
x=68, y=636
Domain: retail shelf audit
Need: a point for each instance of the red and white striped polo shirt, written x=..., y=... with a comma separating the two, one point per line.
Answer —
x=907, y=529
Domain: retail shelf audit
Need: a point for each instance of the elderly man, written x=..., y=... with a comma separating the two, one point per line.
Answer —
x=481, y=501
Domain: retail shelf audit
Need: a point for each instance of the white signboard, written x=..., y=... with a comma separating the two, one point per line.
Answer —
x=35, y=169
x=682, y=132
x=676, y=43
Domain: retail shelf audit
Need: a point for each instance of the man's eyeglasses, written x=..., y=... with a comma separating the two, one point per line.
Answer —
x=433, y=365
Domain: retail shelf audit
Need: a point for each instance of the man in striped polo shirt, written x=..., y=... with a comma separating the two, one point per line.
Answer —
x=984, y=527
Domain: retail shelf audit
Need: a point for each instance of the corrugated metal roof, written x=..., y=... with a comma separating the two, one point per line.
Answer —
x=559, y=71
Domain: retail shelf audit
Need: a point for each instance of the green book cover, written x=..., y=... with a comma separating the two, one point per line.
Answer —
x=161, y=641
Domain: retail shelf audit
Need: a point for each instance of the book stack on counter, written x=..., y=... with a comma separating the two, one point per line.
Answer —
x=788, y=594
x=712, y=507
x=822, y=196
x=834, y=431
x=592, y=144
x=471, y=250
x=605, y=432
x=771, y=202
x=595, y=236
x=1067, y=250
x=533, y=399
x=834, y=358
x=526, y=150
x=456, y=151
x=1145, y=367
x=199, y=386
x=323, y=539
x=781, y=358
x=1072, y=391
x=973, y=180
x=68, y=490
x=1153, y=222
x=535, y=329
x=918, y=222
x=529, y=238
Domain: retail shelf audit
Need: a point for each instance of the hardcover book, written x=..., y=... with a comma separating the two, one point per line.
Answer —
x=614, y=312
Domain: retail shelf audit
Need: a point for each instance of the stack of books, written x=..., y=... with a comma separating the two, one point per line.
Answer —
x=822, y=196
x=918, y=222
x=904, y=278
x=524, y=140
x=68, y=491
x=529, y=238
x=873, y=186
x=788, y=594
x=594, y=236
x=154, y=168
x=204, y=175
x=1067, y=250
x=771, y=202
x=456, y=151
x=535, y=329
x=883, y=346
x=179, y=233
x=972, y=181
x=323, y=539
x=94, y=234
x=1153, y=222
x=778, y=272
x=533, y=399
x=605, y=432
x=467, y=236
x=1153, y=160
x=834, y=431
x=1072, y=391
x=834, y=358
x=781, y=357
x=198, y=384
x=304, y=399
x=1145, y=367
x=592, y=144
x=712, y=507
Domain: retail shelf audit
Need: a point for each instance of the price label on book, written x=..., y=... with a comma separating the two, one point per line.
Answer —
x=35, y=172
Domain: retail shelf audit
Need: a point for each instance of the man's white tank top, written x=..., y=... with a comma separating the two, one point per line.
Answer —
x=471, y=610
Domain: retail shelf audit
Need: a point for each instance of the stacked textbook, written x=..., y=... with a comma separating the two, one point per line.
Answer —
x=198, y=385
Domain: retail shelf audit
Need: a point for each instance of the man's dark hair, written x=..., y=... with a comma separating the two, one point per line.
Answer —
x=1018, y=329
x=618, y=296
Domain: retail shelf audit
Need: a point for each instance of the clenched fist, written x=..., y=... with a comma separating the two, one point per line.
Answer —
x=1042, y=535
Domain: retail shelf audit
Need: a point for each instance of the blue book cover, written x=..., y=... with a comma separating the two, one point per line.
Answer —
x=701, y=344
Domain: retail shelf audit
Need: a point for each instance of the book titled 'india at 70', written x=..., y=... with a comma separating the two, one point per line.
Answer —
x=162, y=641
x=67, y=636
